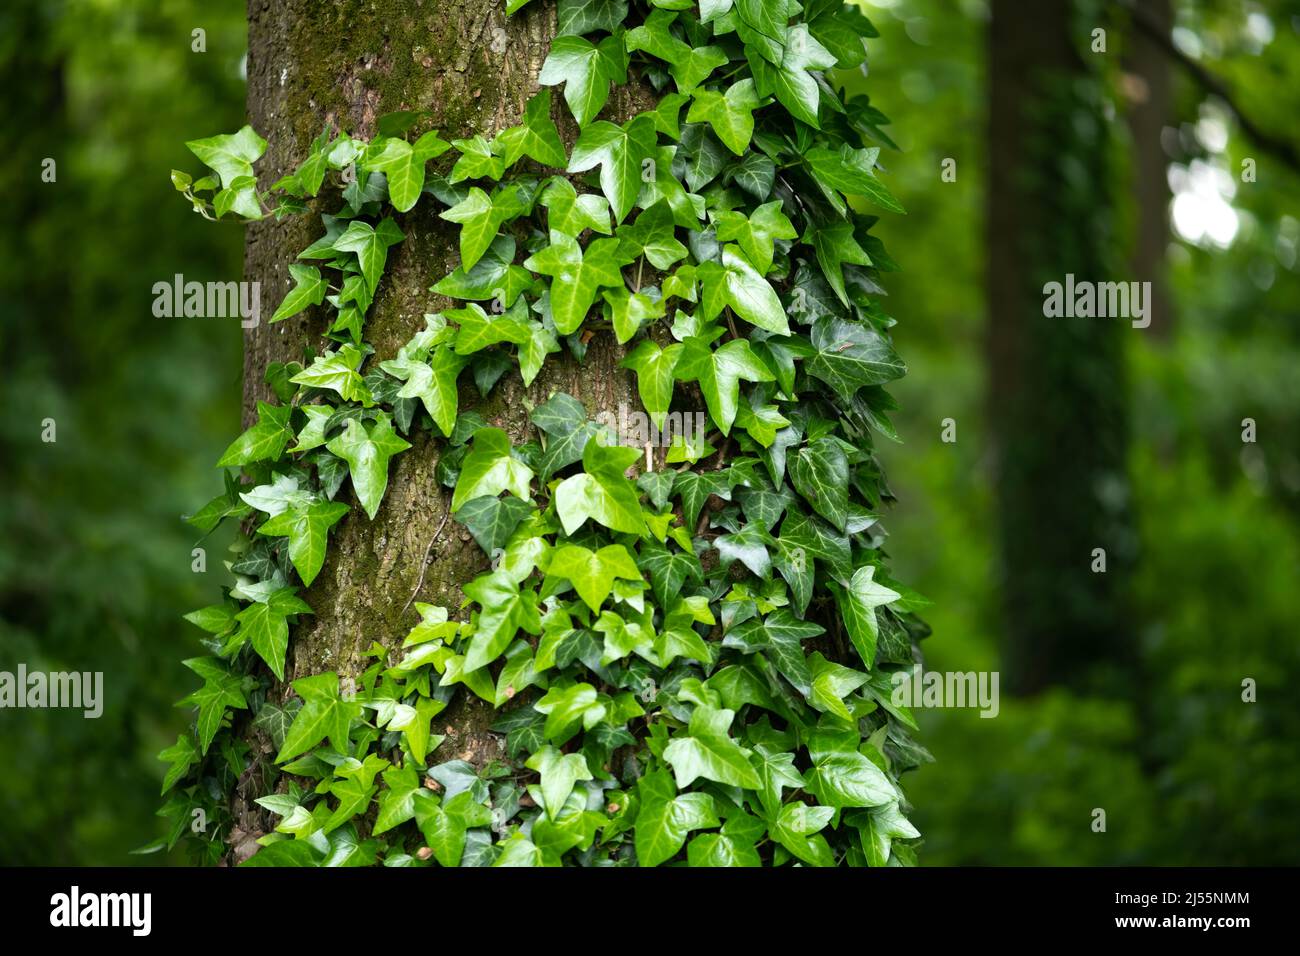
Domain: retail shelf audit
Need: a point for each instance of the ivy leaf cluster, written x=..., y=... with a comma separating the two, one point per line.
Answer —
x=690, y=660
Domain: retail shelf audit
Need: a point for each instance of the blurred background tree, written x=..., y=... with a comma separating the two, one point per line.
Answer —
x=1056, y=388
x=1128, y=685
x=1186, y=771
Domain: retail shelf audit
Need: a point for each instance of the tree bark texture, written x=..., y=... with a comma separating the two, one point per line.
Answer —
x=348, y=62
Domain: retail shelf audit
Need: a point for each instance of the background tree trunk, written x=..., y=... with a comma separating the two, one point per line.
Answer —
x=1057, y=391
x=348, y=63
x=1150, y=96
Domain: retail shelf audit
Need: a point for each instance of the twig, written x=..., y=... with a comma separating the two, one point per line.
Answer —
x=424, y=564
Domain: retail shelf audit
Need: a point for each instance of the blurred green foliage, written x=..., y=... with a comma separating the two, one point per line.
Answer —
x=1187, y=772
x=95, y=564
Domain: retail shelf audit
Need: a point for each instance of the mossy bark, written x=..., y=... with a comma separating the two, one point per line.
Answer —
x=346, y=63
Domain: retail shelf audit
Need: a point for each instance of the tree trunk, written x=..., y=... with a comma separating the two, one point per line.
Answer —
x=1151, y=102
x=1057, y=402
x=348, y=63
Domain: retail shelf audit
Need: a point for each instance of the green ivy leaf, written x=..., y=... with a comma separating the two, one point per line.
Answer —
x=479, y=226
x=541, y=342
x=265, y=440
x=628, y=311
x=750, y=295
x=566, y=706
x=731, y=114
x=690, y=66
x=776, y=771
x=274, y=721
x=323, y=714
x=655, y=369
x=491, y=468
x=592, y=573
x=367, y=449
x=707, y=751
x=820, y=472
x=858, y=603
x=757, y=232
x=666, y=818
x=432, y=382
x=397, y=802
x=755, y=174
x=221, y=690
x=651, y=235
x=182, y=755
x=735, y=845
x=586, y=70
x=835, y=246
x=228, y=504
x=796, y=828
x=505, y=608
x=559, y=773
x=477, y=161
x=337, y=371
x=576, y=17
x=536, y=137
x=878, y=829
x=791, y=82
x=571, y=213
x=668, y=570
x=831, y=683
x=230, y=155
x=307, y=529
x=371, y=246
x=766, y=16
x=719, y=372
x=309, y=290
x=492, y=520
x=354, y=791
x=849, y=355
x=479, y=329
x=445, y=826
x=577, y=275
x=783, y=635
x=403, y=164
x=694, y=488
x=849, y=780
x=494, y=276
x=749, y=546
x=852, y=171
x=564, y=420
x=602, y=491
x=620, y=152
x=265, y=625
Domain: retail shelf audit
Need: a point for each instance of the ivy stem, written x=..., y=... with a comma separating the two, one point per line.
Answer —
x=424, y=562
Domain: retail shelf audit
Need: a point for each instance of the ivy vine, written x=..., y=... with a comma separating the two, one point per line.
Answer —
x=693, y=664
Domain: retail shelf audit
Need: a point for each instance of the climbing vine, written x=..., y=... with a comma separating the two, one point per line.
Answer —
x=690, y=654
